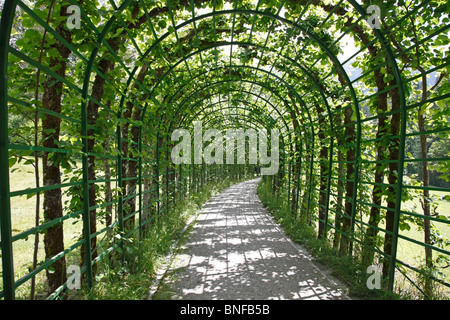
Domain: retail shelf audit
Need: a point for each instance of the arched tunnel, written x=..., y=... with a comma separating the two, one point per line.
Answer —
x=92, y=92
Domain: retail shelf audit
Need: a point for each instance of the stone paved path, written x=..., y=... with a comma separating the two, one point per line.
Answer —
x=236, y=251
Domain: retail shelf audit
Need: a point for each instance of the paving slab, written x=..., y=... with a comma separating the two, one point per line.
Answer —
x=236, y=251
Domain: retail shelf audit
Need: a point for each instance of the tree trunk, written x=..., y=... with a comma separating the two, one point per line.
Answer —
x=349, y=185
x=304, y=206
x=51, y=126
x=323, y=171
x=296, y=178
x=129, y=186
x=104, y=67
x=340, y=186
x=425, y=192
x=380, y=168
x=36, y=161
x=107, y=170
x=394, y=152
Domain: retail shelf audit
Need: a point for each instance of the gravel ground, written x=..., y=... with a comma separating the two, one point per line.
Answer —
x=235, y=251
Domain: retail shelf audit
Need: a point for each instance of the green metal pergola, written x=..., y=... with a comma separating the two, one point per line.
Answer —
x=348, y=99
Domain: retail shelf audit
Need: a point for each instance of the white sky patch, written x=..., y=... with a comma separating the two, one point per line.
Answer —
x=349, y=49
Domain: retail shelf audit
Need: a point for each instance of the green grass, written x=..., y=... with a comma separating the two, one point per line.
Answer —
x=23, y=210
x=414, y=254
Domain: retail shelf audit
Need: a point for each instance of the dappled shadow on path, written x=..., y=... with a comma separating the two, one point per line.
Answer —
x=236, y=251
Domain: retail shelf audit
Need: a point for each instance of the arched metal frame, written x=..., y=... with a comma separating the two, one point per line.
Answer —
x=187, y=101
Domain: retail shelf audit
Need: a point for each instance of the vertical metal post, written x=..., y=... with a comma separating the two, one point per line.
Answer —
x=298, y=177
x=401, y=163
x=175, y=185
x=85, y=166
x=191, y=178
x=140, y=182
x=5, y=205
x=84, y=99
x=311, y=169
x=86, y=211
x=157, y=175
x=84, y=138
x=120, y=178
x=327, y=208
x=354, y=196
x=194, y=184
x=181, y=184
x=399, y=187
x=203, y=173
x=289, y=183
x=167, y=175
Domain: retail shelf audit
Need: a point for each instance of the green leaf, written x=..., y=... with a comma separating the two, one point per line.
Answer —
x=32, y=34
x=12, y=161
x=162, y=24
x=404, y=226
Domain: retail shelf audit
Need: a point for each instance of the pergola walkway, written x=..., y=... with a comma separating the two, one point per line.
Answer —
x=236, y=251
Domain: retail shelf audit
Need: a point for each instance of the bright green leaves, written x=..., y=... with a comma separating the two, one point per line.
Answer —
x=29, y=39
x=162, y=24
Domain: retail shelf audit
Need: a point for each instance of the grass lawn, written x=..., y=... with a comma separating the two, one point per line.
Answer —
x=414, y=254
x=23, y=212
x=412, y=251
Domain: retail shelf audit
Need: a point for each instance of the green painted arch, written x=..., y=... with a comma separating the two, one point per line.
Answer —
x=249, y=116
x=261, y=85
x=257, y=96
x=312, y=35
x=219, y=82
x=251, y=125
x=246, y=44
x=256, y=69
x=205, y=114
x=323, y=46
